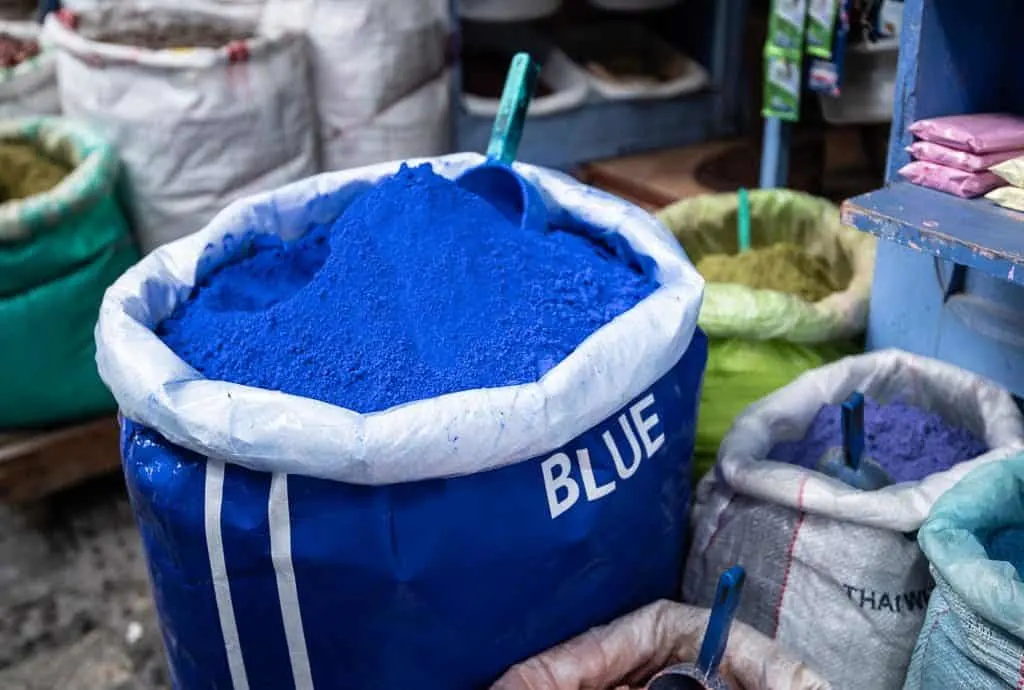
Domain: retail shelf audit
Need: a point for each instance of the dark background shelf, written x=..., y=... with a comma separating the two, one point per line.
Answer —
x=710, y=31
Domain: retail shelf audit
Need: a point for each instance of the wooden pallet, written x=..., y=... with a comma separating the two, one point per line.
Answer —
x=36, y=464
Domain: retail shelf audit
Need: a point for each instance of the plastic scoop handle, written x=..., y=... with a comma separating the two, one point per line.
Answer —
x=853, y=429
x=716, y=637
x=515, y=100
x=743, y=220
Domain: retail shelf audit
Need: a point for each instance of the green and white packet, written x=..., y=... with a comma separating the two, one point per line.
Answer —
x=786, y=26
x=783, y=59
x=1012, y=171
x=821, y=27
x=782, y=84
x=1008, y=197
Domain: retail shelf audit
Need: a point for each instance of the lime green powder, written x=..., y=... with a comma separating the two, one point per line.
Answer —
x=783, y=267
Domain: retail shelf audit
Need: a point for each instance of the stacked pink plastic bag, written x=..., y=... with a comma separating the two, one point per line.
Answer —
x=954, y=153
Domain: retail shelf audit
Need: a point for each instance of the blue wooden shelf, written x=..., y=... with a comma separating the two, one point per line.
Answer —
x=949, y=273
x=971, y=232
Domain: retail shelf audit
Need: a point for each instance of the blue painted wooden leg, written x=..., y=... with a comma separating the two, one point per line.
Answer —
x=775, y=153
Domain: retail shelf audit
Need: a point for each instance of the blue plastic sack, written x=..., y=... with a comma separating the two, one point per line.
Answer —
x=973, y=636
x=294, y=544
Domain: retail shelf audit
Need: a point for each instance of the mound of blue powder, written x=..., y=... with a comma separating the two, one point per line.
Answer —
x=910, y=443
x=419, y=289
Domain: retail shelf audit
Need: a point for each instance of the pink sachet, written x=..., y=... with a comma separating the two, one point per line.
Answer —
x=984, y=133
x=950, y=180
x=961, y=160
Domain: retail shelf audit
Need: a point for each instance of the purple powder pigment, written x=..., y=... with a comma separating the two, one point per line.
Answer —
x=419, y=289
x=907, y=441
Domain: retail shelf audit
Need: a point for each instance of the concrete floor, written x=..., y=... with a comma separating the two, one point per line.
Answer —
x=75, y=606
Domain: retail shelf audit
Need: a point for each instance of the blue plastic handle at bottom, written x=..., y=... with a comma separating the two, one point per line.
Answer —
x=723, y=611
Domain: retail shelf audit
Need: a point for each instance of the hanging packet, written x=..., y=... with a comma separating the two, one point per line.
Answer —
x=782, y=85
x=783, y=59
x=826, y=71
x=786, y=25
x=821, y=26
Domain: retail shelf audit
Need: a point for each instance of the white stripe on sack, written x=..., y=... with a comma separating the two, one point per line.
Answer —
x=219, y=572
x=287, y=590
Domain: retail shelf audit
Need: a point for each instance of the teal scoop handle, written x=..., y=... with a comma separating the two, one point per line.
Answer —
x=520, y=82
x=496, y=180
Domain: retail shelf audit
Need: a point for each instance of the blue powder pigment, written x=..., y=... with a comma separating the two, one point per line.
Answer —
x=910, y=443
x=1007, y=544
x=419, y=289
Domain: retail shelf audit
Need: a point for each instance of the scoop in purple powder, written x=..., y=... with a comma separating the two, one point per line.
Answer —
x=908, y=442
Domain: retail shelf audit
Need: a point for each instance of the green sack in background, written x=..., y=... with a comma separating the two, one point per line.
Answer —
x=761, y=340
x=59, y=251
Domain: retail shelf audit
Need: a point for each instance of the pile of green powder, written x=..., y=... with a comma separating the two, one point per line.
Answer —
x=25, y=171
x=783, y=267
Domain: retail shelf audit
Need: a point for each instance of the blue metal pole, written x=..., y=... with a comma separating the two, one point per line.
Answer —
x=775, y=153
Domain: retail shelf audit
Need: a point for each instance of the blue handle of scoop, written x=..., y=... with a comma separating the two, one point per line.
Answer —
x=515, y=101
x=723, y=611
x=853, y=429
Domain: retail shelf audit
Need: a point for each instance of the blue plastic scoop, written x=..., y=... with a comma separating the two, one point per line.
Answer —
x=495, y=180
x=849, y=464
x=704, y=674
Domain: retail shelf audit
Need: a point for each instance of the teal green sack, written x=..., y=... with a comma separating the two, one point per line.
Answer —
x=59, y=251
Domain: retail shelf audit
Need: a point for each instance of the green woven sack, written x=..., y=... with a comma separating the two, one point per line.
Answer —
x=740, y=372
x=58, y=253
x=760, y=340
x=707, y=225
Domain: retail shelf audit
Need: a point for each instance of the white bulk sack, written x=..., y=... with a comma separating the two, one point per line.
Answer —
x=29, y=88
x=196, y=129
x=834, y=573
x=350, y=600
x=248, y=10
x=380, y=69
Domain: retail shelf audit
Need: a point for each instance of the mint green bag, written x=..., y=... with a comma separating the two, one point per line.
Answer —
x=58, y=253
x=760, y=340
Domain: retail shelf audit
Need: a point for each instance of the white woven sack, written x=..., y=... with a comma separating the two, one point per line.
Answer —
x=31, y=87
x=196, y=129
x=834, y=573
x=382, y=85
x=498, y=426
x=245, y=10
